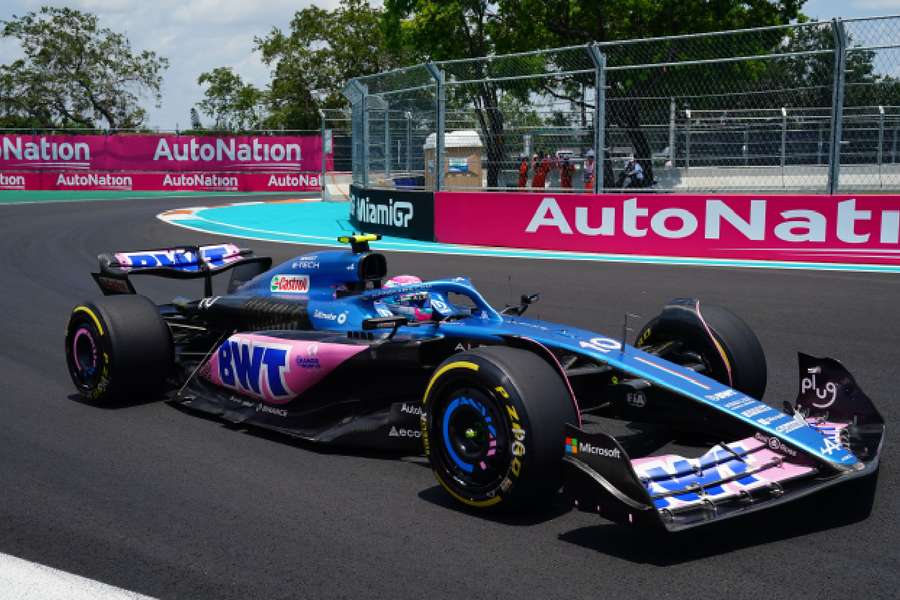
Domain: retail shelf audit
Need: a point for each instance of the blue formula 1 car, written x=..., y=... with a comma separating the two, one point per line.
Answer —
x=507, y=409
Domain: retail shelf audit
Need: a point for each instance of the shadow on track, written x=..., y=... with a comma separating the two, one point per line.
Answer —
x=300, y=443
x=524, y=518
x=130, y=403
x=836, y=507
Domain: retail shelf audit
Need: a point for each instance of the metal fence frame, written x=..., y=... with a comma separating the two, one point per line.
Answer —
x=373, y=95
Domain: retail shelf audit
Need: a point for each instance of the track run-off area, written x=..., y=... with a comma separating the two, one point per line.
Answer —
x=305, y=221
x=149, y=498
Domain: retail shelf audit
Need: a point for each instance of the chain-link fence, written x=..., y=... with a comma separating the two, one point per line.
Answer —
x=337, y=139
x=808, y=106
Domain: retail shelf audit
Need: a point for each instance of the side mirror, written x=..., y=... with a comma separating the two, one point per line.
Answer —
x=524, y=302
x=383, y=323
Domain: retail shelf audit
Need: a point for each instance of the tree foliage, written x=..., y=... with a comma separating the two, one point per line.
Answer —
x=314, y=59
x=452, y=29
x=75, y=72
x=551, y=23
x=231, y=103
x=457, y=29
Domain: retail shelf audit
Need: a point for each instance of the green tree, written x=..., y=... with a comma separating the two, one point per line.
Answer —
x=443, y=30
x=75, y=72
x=469, y=28
x=231, y=103
x=314, y=59
x=568, y=22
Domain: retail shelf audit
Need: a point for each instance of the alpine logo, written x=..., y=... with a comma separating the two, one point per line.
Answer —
x=394, y=213
x=573, y=446
x=290, y=284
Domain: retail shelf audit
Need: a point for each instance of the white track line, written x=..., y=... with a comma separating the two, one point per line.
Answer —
x=24, y=580
x=526, y=253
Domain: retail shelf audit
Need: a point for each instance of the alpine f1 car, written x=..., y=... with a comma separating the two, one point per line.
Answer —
x=507, y=409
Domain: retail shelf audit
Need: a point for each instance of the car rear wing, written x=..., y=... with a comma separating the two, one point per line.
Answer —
x=760, y=471
x=179, y=262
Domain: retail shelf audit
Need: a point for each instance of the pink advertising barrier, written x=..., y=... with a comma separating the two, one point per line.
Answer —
x=161, y=162
x=134, y=152
x=174, y=181
x=844, y=228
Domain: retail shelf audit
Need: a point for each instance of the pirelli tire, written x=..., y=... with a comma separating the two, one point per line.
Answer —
x=118, y=348
x=493, y=428
x=728, y=346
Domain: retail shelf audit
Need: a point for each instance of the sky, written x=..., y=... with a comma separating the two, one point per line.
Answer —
x=195, y=35
x=199, y=35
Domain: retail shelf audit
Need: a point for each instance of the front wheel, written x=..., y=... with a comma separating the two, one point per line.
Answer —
x=726, y=345
x=493, y=427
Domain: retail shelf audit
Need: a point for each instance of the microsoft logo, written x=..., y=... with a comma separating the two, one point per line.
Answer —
x=574, y=447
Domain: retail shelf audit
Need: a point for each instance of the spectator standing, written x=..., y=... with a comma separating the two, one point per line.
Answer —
x=566, y=170
x=541, y=168
x=549, y=163
x=523, y=172
x=589, y=168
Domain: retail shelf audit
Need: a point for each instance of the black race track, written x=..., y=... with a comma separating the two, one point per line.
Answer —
x=165, y=503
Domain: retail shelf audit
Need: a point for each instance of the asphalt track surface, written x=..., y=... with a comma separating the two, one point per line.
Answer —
x=151, y=499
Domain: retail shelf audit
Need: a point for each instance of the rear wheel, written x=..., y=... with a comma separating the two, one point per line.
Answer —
x=493, y=427
x=727, y=346
x=117, y=347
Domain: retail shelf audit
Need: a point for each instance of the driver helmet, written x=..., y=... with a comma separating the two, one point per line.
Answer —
x=413, y=305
